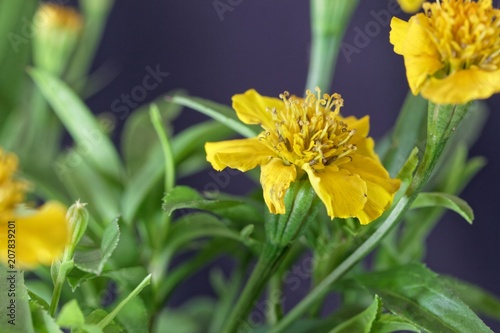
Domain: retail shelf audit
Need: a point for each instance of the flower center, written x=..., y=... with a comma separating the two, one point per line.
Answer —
x=309, y=131
x=466, y=33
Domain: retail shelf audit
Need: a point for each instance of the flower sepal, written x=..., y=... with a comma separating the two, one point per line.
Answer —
x=443, y=120
x=301, y=206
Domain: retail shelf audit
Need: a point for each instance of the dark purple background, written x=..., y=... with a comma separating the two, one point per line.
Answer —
x=264, y=45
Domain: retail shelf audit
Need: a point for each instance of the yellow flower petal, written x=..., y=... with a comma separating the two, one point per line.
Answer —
x=451, y=51
x=252, y=108
x=462, y=86
x=40, y=236
x=410, y=6
x=275, y=178
x=362, y=125
x=242, y=154
x=380, y=186
x=421, y=57
x=343, y=193
x=397, y=36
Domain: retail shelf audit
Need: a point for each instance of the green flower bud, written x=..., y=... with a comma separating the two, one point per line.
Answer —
x=57, y=33
x=78, y=219
x=301, y=204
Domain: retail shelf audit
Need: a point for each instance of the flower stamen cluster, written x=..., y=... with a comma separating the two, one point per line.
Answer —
x=466, y=33
x=309, y=131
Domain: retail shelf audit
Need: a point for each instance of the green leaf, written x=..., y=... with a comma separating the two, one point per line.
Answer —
x=223, y=114
x=389, y=323
x=196, y=225
x=417, y=294
x=71, y=315
x=185, y=144
x=14, y=306
x=184, y=197
x=93, y=259
x=38, y=299
x=408, y=132
x=194, y=137
x=91, y=140
x=42, y=321
x=362, y=322
x=436, y=199
x=138, y=135
x=187, y=197
x=478, y=299
x=78, y=277
x=134, y=316
x=95, y=317
x=15, y=37
x=109, y=318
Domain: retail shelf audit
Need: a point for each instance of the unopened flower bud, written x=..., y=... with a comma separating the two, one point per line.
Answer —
x=57, y=32
x=302, y=205
x=78, y=219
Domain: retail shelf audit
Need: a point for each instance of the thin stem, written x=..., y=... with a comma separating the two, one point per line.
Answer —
x=166, y=147
x=264, y=269
x=65, y=266
x=329, y=20
x=109, y=318
x=324, y=53
x=274, y=309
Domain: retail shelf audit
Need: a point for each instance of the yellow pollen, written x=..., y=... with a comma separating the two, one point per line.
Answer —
x=308, y=130
x=466, y=33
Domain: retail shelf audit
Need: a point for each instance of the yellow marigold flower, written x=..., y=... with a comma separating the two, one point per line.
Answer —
x=307, y=136
x=32, y=236
x=410, y=6
x=452, y=51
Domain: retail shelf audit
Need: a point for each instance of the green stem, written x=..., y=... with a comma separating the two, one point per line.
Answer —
x=329, y=20
x=64, y=268
x=264, y=269
x=274, y=309
x=442, y=123
x=109, y=318
x=166, y=147
x=324, y=53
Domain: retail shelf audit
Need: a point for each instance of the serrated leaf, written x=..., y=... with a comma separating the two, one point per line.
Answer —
x=96, y=316
x=389, y=323
x=42, y=321
x=362, y=322
x=14, y=307
x=77, y=277
x=417, y=294
x=71, y=315
x=223, y=114
x=38, y=300
x=478, y=299
x=92, y=260
x=81, y=124
x=445, y=200
x=184, y=197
